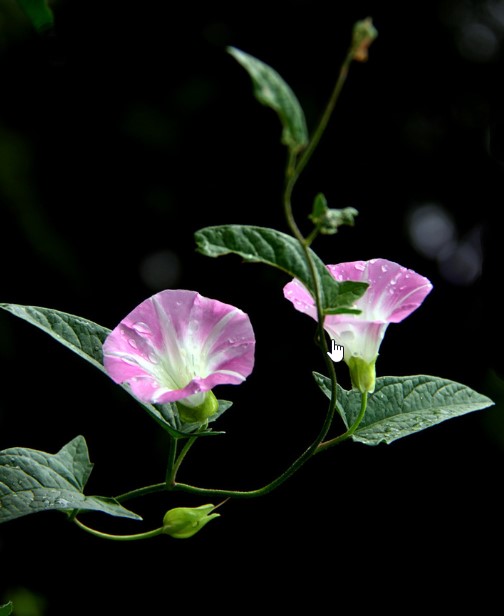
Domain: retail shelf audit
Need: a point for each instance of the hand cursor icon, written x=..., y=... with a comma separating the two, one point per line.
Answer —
x=337, y=351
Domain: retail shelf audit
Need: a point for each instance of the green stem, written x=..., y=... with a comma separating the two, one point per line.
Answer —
x=170, y=467
x=190, y=442
x=293, y=171
x=156, y=487
x=137, y=537
x=350, y=431
x=304, y=457
x=312, y=236
x=291, y=176
x=294, y=467
x=171, y=473
x=324, y=120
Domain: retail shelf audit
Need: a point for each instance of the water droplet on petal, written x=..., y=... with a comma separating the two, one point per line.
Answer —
x=153, y=357
x=142, y=328
x=360, y=267
x=393, y=281
x=133, y=343
x=391, y=290
x=130, y=360
x=384, y=268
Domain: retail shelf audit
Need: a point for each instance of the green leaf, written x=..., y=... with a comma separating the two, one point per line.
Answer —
x=86, y=339
x=6, y=610
x=80, y=335
x=33, y=481
x=403, y=405
x=263, y=245
x=272, y=91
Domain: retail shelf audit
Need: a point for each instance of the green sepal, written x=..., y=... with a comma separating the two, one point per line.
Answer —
x=200, y=413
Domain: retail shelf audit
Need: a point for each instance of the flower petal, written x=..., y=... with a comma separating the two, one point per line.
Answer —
x=394, y=292
x=178, y=343
x=299, y=295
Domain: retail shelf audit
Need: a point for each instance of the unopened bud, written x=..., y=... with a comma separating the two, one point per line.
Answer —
x=363, y=374
x=184, y=522
x=364, y=33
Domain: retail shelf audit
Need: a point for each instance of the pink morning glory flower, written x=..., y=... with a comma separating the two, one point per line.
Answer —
x=394, y=292
x=176, y=346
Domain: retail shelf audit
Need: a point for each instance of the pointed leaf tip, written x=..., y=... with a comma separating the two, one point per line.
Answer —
x=32, y=481
x=403, y=405
x=272, y=91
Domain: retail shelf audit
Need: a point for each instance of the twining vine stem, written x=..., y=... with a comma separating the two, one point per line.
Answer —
x=293, y=170
x=295, y=165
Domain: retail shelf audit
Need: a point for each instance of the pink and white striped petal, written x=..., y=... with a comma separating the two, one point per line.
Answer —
x=394, y=292
x=178, y=344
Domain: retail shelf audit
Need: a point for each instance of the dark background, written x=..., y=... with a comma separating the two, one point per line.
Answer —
x=131, y=130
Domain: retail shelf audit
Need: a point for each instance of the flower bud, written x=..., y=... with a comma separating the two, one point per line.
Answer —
x=200, y=412
x=364, y=33
x=184, y=522
x=363, y=374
